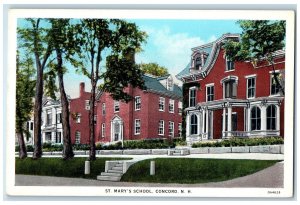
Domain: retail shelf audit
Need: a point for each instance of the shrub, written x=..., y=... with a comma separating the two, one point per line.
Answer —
x=234, y=142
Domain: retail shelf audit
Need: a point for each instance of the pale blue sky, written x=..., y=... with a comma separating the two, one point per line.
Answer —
x=169, y=44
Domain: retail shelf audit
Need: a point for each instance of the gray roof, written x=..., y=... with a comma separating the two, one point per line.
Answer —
x=152, y=84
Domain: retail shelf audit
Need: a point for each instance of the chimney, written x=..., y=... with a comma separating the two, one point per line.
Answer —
x=81, y=89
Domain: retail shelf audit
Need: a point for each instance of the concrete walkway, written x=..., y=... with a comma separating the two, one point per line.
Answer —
x=271, y=177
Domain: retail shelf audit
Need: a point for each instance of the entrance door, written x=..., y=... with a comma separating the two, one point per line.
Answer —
x=117, y=133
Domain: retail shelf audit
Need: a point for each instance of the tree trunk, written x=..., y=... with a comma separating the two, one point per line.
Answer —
x=37, y=153
x=22, y=151
x=91, y=121
x=67, y=145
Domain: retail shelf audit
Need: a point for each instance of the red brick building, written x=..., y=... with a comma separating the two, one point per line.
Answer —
x=232, y=98
x=154, y=113
x=79, y=116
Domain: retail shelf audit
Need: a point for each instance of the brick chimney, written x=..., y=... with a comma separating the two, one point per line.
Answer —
x=81, y=89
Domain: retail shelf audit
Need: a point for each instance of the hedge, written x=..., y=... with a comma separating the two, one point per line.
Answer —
x=235, y=142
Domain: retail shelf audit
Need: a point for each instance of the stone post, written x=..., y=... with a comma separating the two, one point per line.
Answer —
x=152, y=168
x=87, y=167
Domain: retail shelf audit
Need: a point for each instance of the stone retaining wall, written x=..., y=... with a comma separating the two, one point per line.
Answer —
x=271, y=149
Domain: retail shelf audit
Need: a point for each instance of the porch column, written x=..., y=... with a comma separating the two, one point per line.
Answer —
x=203, y=124
x=278, y=118
x=198, y=123
x=224, y=122
x=187, y=129
x=121, y=131
x=249, y=119
x=263, y=119
x=229, y=120
x=111, y=131
x=206, y=124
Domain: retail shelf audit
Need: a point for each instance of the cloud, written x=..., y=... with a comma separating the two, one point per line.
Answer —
x=168, y=49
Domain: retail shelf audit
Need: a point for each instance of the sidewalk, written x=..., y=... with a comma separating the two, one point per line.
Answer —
x=271, y=177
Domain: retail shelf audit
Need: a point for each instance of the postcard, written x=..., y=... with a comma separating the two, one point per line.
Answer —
x=150, y=103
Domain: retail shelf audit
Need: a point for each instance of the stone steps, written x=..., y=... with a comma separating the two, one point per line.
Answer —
x=113, y=174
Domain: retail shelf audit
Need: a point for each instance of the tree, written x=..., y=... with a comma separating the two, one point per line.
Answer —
x=64, y=45
x=153, y=69
x=24, y=94
x=119, y=38
x=34, y=39
x=259, y=40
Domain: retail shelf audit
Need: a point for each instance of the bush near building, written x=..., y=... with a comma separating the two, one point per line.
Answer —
x=234, y=142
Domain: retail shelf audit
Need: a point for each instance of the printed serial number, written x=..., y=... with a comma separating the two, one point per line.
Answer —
x=273, y=192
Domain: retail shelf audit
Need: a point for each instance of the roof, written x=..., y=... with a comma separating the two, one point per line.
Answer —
x=212, y=50
x=152, y=84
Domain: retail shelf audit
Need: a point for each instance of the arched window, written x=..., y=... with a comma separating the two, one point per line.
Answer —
x=271, y=117
x=194, y=124
x=255, y=118
x=198, y=63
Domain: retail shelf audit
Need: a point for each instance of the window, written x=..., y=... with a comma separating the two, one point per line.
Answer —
x=179, y=129
x=116, y=106
x=31, y=125
x=230, y=89
x=233, y=121
x=192, y=97
x=58, y=118
x=229, y=64
x=103, y=130
x=137, y=126
x=95, y=119
x=194, y=124
x=58, y=137
x=161, y=126
x=170, y=83
x=271, y=117
x=251, y=87
x=180, y=108
x=103, y=109
x=161, y=104
x=210, y=93
x=198, y=63
x=49, y=118
x=48, y=137
x=274, y=88
x=78, y=117
x=137, y=103
x=171, y=106
x=255, y=118
x=87, y=105
x=77, y=137
x=171, y=129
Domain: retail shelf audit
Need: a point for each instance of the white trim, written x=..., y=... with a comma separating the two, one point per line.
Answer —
x=116, y=104
x=248, y=78
x=173, y=128
x=135, y=103
x=163, y=127
x=171, y=102
x=209, y=86
x=163, y=100
x=276, y=71
x=251, y=76
x=190, y=89
x=103, y=130
x=135, y=126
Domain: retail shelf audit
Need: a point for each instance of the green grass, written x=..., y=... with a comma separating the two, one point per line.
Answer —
x=179, y=170
x=61, y=168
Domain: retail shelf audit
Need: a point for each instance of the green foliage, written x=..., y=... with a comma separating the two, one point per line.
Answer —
x=153, y=69
x=191, y=171
x=24, y=91
x=61, y=168
x=258, y=40
x=234, y=142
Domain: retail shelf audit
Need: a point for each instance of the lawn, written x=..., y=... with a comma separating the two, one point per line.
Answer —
x=60, y=168
x=179, y=170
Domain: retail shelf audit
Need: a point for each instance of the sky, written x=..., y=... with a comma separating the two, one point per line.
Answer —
x=168, y=44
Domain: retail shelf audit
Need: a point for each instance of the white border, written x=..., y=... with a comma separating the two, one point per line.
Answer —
x=151, y=14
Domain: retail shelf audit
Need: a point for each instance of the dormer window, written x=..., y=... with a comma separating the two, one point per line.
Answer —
x=198, y=63
x=229, y=64
x=170, y=83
